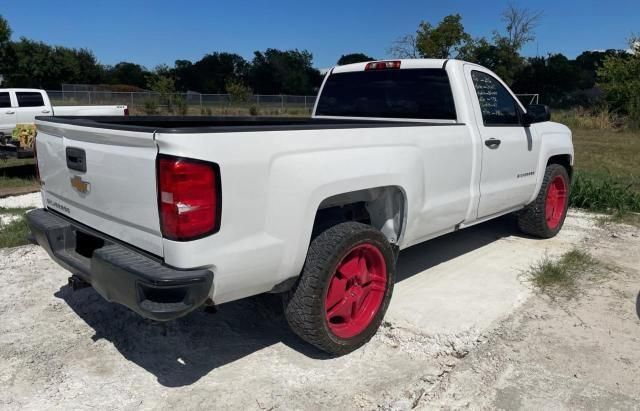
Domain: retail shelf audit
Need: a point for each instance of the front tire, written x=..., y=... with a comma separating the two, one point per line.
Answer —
x=344, y=288
x=545, y=216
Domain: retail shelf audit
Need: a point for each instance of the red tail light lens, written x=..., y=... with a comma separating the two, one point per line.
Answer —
x=383, y=65
x=126, y=111
x=188, y=198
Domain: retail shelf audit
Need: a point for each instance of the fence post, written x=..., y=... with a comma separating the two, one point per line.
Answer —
x=282, y=97
x=257, y=100
x=131, y=100
x=201, y=103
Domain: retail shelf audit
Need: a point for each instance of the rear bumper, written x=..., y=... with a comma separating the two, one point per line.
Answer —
x=118, y=273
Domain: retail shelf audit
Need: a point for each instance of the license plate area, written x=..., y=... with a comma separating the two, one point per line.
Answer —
x=87, y=244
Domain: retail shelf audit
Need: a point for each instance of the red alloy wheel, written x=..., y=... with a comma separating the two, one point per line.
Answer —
x=356, y=291
x=556, y=202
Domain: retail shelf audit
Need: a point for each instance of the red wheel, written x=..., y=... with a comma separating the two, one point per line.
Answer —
x=556, y=201
x=356, y=291
x=545, y=216
x=344, y=288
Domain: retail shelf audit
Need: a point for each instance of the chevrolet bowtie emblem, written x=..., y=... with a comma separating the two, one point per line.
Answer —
x=82, y=187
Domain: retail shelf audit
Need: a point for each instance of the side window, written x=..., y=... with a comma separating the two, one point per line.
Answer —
x=496, y=104
x=5, y=100
x=29, y=99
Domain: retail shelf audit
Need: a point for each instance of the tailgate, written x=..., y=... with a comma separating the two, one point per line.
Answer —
x=103, y=178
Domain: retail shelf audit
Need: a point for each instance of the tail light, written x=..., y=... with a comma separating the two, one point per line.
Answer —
x=126, y=111
x=383, y=65
x=189, y=198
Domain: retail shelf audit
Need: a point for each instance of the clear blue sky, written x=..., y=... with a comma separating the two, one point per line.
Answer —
x=160, y=31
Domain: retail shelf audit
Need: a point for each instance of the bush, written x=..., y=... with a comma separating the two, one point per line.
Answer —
x=594, y=119
x=150, y=107
x=238, y=92
x=181, y=106
x=253, y=110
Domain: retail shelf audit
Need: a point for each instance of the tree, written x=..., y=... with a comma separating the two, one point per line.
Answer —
x=619, y=78
x=283, y=72
x=405, y=47
x=353, y=58
x=442, y=41
x=5, y=30
x=127, y=73
x=520, y=24
x=502, y=55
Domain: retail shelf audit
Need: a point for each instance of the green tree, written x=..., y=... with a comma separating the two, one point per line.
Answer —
x=619, y=78
x=283, y=72
x=238, y=92
x=444, y=40
x=353, y=58
x=127, y=73
x=502, y=54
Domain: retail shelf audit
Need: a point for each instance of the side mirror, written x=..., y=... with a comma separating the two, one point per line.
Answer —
x=536, y=113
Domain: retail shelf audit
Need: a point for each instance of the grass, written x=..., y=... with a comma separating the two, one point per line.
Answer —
x=607, y=170
x=17, y=182
x=559, y=278
x=15, y=233
x=16, y=162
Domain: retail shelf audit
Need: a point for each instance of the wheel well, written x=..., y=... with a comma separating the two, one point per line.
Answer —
x=380, y=207
x=563, y=160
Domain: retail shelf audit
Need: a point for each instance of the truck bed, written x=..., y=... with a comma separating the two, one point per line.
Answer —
x=198, y=124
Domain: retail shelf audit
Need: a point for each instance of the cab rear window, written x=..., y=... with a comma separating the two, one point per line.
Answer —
x=408, y=93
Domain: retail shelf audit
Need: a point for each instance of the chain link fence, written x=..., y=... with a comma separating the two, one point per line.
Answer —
x=146, y=103
x=141, y=103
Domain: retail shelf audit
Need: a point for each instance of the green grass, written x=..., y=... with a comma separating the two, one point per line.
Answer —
x=607, y=170
x=17, y=182
x=603, y=193
x=15, y=233
x=559, y=278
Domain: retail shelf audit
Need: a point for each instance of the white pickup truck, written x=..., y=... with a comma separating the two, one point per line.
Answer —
x=164, y=215
x=22, y=105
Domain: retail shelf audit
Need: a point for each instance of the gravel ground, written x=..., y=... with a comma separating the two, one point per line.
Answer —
x=64, y=349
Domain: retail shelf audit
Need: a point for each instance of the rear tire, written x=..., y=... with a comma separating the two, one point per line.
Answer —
x=545, y=216
x=344, y=288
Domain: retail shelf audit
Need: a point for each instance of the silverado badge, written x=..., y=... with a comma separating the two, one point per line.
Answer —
x=82, y=187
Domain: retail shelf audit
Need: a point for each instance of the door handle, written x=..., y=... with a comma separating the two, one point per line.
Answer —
x=45, y=111
x=9, y=112
x=492, y=143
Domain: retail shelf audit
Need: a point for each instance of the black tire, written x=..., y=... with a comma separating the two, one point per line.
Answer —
x=305, y=303
x=532, y=219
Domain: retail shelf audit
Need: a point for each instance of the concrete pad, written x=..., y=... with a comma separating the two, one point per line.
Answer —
x=466, y=280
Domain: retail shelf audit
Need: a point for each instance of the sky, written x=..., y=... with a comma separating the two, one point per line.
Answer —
x=160, y=31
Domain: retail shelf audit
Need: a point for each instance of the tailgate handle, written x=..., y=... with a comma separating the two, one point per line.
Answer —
x=76, y=159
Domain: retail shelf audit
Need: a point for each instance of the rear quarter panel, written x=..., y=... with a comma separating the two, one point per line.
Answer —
x=273, y=183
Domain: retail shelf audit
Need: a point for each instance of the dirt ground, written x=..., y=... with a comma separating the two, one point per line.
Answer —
x=465, y=329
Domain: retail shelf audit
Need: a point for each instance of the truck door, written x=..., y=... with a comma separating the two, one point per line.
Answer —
x=7, y=113
x=30, y=105
x=509, y=150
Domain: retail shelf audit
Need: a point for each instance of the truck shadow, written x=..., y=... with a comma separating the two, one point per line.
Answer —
x=180, y=352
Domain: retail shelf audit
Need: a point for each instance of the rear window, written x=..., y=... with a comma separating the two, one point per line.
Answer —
x=408, y=93
x=29, y=99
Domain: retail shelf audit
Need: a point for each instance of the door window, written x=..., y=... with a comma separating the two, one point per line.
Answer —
x=496, y=104
x=29, y=99
x=5, y=100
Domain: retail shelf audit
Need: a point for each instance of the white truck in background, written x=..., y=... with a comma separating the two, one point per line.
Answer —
x=165, y=214
x=22, y=105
